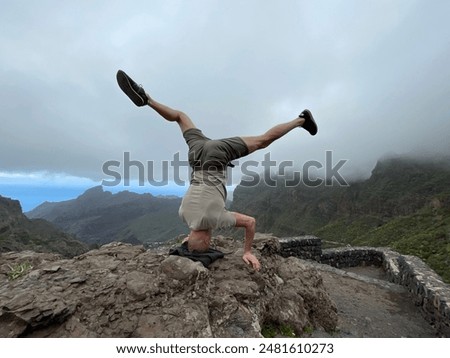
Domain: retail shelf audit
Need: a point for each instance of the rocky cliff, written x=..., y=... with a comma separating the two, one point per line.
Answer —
x=121, y=290
x=17, y=233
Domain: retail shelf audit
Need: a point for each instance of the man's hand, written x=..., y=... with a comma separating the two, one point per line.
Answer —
x=251, y=259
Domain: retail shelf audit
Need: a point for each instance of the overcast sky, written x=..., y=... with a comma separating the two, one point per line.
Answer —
x=375, y=74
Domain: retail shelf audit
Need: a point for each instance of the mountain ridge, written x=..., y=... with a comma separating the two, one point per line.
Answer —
x=99, y=217
x=404, y=204
x=18, y=233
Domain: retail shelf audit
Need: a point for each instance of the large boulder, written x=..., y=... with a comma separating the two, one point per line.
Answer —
x=122, y=290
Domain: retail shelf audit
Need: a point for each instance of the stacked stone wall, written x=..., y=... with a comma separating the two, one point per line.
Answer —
x=430, y=293
x=351, y=257
x=305, y=247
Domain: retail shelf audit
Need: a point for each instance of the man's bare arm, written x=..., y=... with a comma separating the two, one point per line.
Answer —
x=248, y=223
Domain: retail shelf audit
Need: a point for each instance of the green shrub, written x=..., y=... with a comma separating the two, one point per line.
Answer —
x=19, y=270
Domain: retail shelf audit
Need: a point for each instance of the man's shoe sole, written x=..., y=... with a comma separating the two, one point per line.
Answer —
x=310, y=124
x=125, y=85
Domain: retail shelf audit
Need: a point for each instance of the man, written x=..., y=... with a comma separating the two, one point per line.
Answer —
x=203, y=206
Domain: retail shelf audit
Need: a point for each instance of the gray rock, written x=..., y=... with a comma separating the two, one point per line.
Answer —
x=121, y=290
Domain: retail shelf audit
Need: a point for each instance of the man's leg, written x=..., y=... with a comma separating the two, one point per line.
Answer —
x=264, y=140
x=140, y=98
x=172, y=115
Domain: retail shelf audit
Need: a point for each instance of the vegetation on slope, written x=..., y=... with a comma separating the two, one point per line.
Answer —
x=405, y=205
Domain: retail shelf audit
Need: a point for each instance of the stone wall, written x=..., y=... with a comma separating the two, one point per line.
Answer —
x=306, y=247
x=351, y=257
x=431, y=294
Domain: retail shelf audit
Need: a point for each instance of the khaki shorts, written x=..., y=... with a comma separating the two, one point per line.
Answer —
x=203, y=208
x=205, y=153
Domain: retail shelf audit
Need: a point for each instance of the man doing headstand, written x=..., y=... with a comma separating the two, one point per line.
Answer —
x=203, y=206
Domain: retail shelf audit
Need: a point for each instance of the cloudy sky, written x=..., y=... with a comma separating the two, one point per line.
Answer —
x=375, y=74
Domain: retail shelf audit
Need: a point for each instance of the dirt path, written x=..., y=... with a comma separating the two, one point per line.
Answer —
x=369, y=306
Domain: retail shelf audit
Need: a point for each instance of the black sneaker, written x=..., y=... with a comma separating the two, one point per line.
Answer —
x=135, y=92
x=310, y=124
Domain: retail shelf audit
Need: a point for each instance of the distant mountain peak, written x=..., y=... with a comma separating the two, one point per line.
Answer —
x=94, y=191
x=99, y=216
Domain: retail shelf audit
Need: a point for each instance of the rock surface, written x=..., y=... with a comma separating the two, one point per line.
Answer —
x=371, y=307
x=121, y=290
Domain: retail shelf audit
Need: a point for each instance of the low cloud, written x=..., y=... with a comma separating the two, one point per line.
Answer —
x=374, y=74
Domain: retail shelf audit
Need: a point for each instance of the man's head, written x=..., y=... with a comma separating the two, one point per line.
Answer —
x=199, y=240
